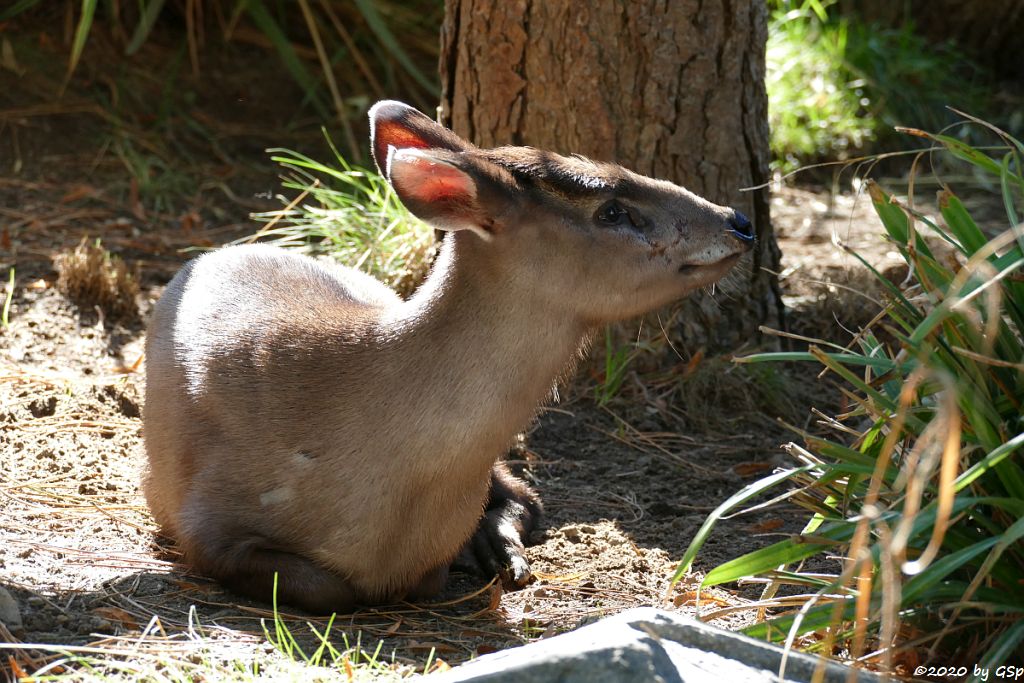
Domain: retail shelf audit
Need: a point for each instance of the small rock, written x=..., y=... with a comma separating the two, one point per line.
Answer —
x=10, y=616
x=643, y=645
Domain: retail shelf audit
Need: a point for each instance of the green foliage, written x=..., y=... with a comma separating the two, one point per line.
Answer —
x=616, y=362
x=837, y=85
x=81, y=34
x=814, y=101
x=271, y=28
x=160, y=182
x=18, y=7
x=388, y=40
x=921, y=493
x=351, y=214
x=147, y=19
x=364, y=49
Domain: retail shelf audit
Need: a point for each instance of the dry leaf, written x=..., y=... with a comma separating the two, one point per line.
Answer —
x=117, y=614
x=746, y=469
x=78, y=192
x=694, y=363
x=196, y=587
x=190, y=221
x=440, y=665
x=766, y=525
x=129, y=369
x=908, y=658
x=7, y=59
x=721, y=602
x=133, y=200
x=496, y=593
x=689, y=599
x=19, y=673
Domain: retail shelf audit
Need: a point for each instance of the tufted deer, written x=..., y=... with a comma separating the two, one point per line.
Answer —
x=303, y=420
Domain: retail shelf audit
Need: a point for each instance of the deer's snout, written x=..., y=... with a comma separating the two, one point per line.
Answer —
x=741, y=227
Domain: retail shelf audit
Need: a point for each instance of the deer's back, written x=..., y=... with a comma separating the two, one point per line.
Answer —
x=241, y=350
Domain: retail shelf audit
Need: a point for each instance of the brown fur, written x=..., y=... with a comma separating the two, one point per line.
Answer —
x=302, y=419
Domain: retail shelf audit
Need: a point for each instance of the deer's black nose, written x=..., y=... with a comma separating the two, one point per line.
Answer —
x=741, y=227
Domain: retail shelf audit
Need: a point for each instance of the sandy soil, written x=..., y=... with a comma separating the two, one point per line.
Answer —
x=624, y=488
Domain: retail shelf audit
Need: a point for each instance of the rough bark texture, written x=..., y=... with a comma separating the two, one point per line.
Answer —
x=990, y=31
x=673, y=90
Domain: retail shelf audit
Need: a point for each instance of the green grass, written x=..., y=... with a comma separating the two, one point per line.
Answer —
x=343, y=54
x=351, y=214
x=326, y=655
x=837, y=86
x=5, y=316
x=920, y=491
x=202, y=655
x=616, y=363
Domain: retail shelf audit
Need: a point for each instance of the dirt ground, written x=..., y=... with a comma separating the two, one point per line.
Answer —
x=624, y=491
x=625, y=486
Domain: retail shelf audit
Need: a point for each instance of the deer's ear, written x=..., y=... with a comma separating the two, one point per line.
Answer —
x=437, y=188
x=393, y=124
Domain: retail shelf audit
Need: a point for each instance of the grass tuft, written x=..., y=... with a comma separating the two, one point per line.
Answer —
x=89, y=276
x=350, y=214
x=917, y=488
x=356, y=664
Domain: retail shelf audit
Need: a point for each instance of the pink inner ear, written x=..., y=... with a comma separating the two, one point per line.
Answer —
x=429, y=181
x=394, y=134
x=440, y=188
x=388, y=134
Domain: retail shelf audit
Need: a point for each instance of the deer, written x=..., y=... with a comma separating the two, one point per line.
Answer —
x=309, y=432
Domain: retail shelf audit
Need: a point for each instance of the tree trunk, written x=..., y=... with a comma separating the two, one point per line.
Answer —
x=673, y=90
x=990, y=31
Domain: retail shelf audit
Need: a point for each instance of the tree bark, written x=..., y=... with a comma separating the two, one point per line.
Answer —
x=673, y=90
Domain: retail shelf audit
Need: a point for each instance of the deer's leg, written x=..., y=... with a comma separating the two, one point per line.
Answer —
x=497, y=545
x=429, y=586
x=247, y=563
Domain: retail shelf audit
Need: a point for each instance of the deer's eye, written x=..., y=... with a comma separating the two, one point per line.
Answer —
x=612, y=213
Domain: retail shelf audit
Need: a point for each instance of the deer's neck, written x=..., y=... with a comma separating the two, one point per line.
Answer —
x=480, y=350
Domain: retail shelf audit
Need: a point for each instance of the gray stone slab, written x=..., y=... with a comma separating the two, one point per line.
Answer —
x=646, y=645
x=9, y=614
